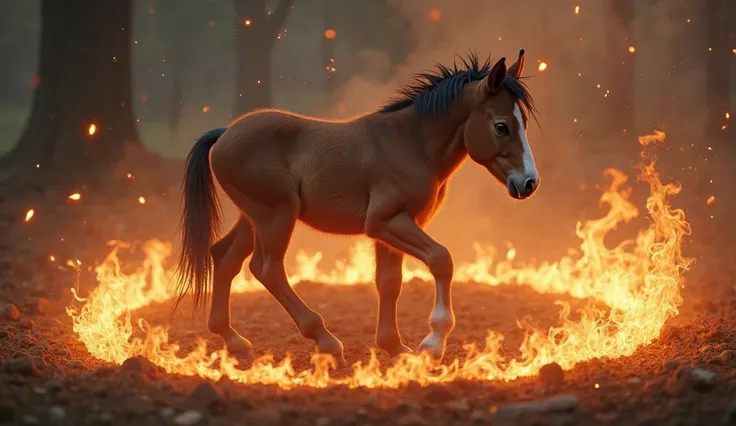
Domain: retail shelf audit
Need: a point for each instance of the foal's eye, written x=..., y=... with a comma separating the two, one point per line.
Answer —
x=502, y=129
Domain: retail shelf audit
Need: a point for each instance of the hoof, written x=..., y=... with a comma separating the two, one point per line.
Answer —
x=329, y=344
x=434, y=345
x=396, y=352
x=240, y=347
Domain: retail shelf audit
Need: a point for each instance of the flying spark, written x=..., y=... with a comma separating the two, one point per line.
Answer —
x=710, y=200
x=542, y=66
x=76, y=196
x=29, y=215
x=632, y=49
x=92, y=129
x=206, y=108
x=141, y=200
x=330, y=34
x=247, y=22
x=577, y=10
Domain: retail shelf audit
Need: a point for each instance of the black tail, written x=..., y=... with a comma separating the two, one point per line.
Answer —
x=200, y=222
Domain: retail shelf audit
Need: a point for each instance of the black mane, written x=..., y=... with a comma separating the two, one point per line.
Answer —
x=432, y=92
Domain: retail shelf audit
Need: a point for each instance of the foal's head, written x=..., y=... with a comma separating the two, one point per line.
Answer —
x=495, y=131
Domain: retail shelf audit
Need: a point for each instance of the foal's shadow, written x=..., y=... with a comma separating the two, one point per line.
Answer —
x=350, y=313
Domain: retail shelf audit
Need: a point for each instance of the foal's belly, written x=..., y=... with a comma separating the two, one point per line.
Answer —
x=333, y=210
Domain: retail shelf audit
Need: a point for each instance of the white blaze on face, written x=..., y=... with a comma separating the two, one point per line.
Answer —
x=530, y=169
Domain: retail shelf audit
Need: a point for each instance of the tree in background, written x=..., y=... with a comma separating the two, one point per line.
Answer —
x=81, y=121
x=720, y=38
x=18, y=30
x=179, y=24
x=256, y=31
x=618, y=113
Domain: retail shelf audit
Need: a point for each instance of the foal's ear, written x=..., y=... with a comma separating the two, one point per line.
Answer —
x=518, y=67
x=494, y=80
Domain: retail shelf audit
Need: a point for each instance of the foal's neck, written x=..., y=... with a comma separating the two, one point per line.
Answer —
x=443, y=142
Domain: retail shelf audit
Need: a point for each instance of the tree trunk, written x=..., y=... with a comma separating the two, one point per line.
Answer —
x=328, y=51
x=255, y=34
x=618, y=115
x=719, y=63
x=85, y=79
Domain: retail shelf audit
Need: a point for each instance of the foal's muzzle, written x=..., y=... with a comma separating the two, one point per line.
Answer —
x=521, y=186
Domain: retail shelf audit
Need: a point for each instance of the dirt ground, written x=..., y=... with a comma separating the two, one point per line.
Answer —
x=686, y=377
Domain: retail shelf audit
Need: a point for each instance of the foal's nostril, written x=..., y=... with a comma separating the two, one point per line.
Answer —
x=530, y=185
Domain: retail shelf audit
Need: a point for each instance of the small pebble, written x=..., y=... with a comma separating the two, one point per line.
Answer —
x=12, y=313
x=552, y=375
x=57, y=413
x=188, y=418
x=702, y=379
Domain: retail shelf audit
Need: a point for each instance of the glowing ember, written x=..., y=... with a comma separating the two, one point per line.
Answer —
x=330, y=34
x=247, y=22
x=728, y=116
x=29, y=215
x=76, y=196
x=638, y=280
x=577, y=10
x=206, y=108
x=141, y=200
x=632, y=49
x=542, y=66
x=710, y=200
x=92, y=129
x=52, y=258
x=435, y=15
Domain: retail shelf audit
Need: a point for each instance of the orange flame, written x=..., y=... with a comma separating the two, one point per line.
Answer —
x=638, y=280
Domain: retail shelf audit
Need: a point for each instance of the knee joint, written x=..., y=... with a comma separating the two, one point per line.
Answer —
x=440, y=263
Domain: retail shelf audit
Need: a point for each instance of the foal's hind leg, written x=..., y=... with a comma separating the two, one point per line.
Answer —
x=388, y=284
x=228, y=255
x=273, y=232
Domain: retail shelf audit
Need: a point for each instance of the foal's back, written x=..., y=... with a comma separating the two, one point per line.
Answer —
x=331, y=166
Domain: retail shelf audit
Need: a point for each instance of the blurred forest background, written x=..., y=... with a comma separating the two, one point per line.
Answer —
x=147, y=77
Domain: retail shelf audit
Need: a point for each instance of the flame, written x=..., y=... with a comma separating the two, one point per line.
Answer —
x=76, y=196
x=639, y=281
x=92, y=129
x=29, y=215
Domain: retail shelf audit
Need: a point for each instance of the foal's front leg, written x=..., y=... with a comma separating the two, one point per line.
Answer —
x=403, y=233
x=388, y=284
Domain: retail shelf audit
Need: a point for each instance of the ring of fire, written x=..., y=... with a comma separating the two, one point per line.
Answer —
x=639, y=281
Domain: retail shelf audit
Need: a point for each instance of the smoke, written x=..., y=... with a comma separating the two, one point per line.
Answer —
x=570, y=94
